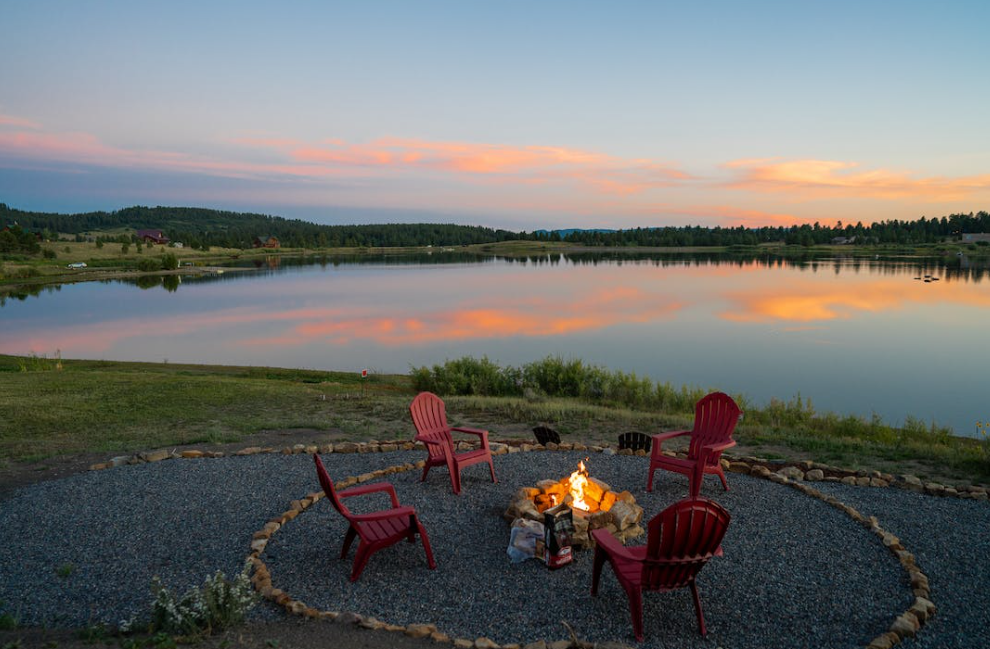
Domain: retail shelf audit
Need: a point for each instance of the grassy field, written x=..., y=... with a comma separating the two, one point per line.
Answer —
x=55, y=408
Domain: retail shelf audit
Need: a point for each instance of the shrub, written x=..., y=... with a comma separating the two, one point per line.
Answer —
x=218, y=604
x=170, y=261
x=149, y=265
x=49, y=253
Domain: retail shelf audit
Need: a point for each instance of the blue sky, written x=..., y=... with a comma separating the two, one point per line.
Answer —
x=510, y=114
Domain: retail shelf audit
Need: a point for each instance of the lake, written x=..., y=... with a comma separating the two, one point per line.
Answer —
x=859, y=336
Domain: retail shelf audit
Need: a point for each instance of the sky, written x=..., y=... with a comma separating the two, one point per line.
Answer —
x=517, y=115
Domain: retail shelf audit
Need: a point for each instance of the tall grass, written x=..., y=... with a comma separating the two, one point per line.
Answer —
x=553, y=377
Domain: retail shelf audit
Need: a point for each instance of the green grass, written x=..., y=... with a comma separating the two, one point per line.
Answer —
x=117, y=408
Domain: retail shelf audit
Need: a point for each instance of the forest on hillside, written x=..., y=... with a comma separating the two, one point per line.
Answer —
x=202, y=228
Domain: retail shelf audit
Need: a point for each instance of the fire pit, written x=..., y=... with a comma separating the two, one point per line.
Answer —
x=592, y=501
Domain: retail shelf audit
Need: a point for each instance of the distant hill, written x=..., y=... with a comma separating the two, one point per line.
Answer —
x=198, y=227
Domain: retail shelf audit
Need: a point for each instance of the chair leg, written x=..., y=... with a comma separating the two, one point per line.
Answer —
x=649, y=481
x=491, y=467
x=360, y=561
x=636, y=611
x=721, y=475
x=596, y=571
x=426, y=544
x=348, y=539
x=426, y=469
x=697, y=608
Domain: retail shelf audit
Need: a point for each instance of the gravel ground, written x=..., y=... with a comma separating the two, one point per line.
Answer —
x=796, y=572
x=951, y=540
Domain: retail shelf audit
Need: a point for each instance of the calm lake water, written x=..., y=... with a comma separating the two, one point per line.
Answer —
x=854, y=336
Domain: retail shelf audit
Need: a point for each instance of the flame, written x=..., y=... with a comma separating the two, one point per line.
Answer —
x=578, y=481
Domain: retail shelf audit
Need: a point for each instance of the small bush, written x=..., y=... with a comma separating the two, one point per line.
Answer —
x=170, y=261
x=149, y=265
x=49, y=253
x=218, y=604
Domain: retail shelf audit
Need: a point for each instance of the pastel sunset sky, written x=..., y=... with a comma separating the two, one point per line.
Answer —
x=520, y=115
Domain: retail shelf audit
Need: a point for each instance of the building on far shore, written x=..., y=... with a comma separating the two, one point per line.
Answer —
x=266, y=242
x=152, y=236
x=973, y=237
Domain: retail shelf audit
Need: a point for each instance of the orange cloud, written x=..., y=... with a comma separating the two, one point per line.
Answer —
x=506, y=163
x=811, y=179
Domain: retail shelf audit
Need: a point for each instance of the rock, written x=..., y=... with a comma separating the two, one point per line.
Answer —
x=420, y=630
x=923, y=609
x=439, y=636
x=461, y=643
x=885, y=641
x=347, y=617
x=607, y=451
x=560, y=644
x=935, y=489
x=862, y=481
x=739, y=467
x=906, y=625
x=311, y=449
x=539, y=644
x=485, y=643
x=815, y=475
x=100, y=466
x=192, y=454
x=791, y=472
x=156, y=456
x=120, y=460
x=345, y=447
x=250, y=450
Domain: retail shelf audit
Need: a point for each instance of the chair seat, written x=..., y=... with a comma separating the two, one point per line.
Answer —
x=676, y=463
x=385, y=529
x=467, y=456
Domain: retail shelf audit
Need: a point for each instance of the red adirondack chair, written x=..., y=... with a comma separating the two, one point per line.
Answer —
x=715, y=417
x=376, y=530
x=680, y=541
x=429, y=416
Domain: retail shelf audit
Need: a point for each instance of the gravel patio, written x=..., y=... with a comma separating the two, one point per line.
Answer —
x=796, y=572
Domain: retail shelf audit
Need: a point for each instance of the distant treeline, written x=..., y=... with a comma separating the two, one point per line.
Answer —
x=202, y=228
x=923, y=230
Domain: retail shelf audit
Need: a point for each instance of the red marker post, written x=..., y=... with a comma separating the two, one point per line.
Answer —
x=364, y=375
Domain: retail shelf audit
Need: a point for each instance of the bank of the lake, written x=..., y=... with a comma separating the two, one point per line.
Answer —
x=55, y=408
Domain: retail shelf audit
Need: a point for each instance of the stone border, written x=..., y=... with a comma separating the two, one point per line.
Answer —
x=906, y=625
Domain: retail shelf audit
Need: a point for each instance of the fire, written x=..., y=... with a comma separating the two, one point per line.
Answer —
x=578, y=482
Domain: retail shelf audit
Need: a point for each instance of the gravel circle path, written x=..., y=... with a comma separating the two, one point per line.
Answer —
x=796, y=572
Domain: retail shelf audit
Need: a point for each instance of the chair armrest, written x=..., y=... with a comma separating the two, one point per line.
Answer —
x=712, y=449
x=717, y=448
x=384, y=514
x=371, y=488
x=660, y=438
x=482, y=434
x=612, y=547
x=429, y=440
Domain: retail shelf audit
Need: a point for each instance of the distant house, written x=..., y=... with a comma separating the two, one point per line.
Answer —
x=152, y=236
x=843, y=241
x=266, y=242
x=973, y=237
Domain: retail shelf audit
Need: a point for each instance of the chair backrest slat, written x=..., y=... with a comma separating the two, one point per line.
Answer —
x=429, y=415
x=680, y=541
x=715, y=418
x=327, y=484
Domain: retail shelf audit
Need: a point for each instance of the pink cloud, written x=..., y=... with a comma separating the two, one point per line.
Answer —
x=18, y=122
x=812, y=179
